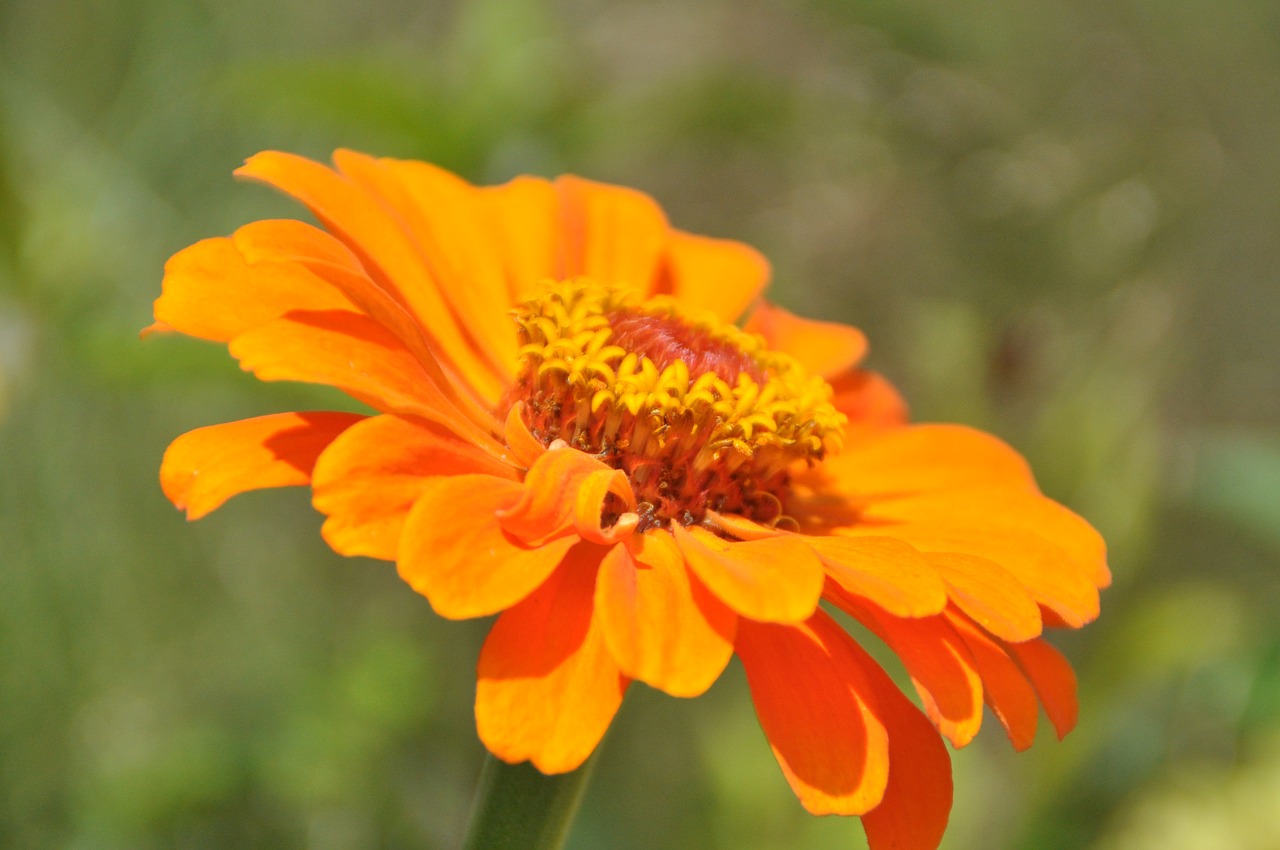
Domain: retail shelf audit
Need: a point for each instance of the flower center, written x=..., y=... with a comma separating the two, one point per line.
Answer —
x=699, y=414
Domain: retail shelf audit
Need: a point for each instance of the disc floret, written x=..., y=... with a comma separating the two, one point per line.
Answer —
x=700, y=414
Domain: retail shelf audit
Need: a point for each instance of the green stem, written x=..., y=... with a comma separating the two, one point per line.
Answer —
x=519, y=808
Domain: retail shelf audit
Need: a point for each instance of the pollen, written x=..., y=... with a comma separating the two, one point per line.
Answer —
x=699, y=414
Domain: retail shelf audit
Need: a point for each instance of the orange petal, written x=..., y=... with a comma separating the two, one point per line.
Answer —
x=379, y=239
x=660, y=624
x=454, y=552
x=218, y=288
x=346, y=350
x=717, y=276
x=926, y=458
x=885, y=571
x=524, y=216
x=808, y=693
x=559, y=497
x=443, y=216
x=823, y=348
x=205, y=467
x=525, y=448
x=868, y=399
x=612, y=234
x=473, y=418
x=1046, y=572
x=366, y=481
x=739, y=527
x=1005, y=688
x=593, y=503
x=989, y=594
x=547, y=686
x=1054, y=681
x=917, y=800
x=938, y=662
x=777, y=579
x=1002, y=507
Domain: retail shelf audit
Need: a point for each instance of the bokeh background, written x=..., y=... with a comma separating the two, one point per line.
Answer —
x=1056, y=221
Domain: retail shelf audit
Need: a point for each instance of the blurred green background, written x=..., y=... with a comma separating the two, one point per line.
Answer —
x=1057, y=221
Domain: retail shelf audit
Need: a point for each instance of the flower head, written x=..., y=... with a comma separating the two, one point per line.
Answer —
x=568, y=430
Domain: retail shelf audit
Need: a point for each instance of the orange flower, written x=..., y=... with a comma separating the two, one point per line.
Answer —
x=571, y=433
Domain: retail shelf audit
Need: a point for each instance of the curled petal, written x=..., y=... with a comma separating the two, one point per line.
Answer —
x=548, y=686
x=525, y=449
x=990, y=594
x=592, y=504
x=205, y=467
x=777, y=579
x=885, y=571
x=1054, y=680
x=660, y=624
x=809, y=694
x=561, y=497
x=454, y=552
x=367, y=480
x=823, y=348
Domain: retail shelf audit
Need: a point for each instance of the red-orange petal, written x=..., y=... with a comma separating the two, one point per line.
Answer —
x=938, y=662
x=917, y=799
x=205, y=467
x=1005, y=688
x=346, y=350
x=886, y=571
x=1054, y=681
x=454, y=552
x=547, y=685
x=367, y=480
x=660, y=624
x=218, y=288
x=831, y=745
x=777, y=579
x=823, y=348
x=990, y=594
x=717, y=276
x=868, y=399
x=612, y=234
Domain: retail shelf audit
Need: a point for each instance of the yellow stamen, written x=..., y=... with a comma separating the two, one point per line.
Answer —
x=701, y=415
